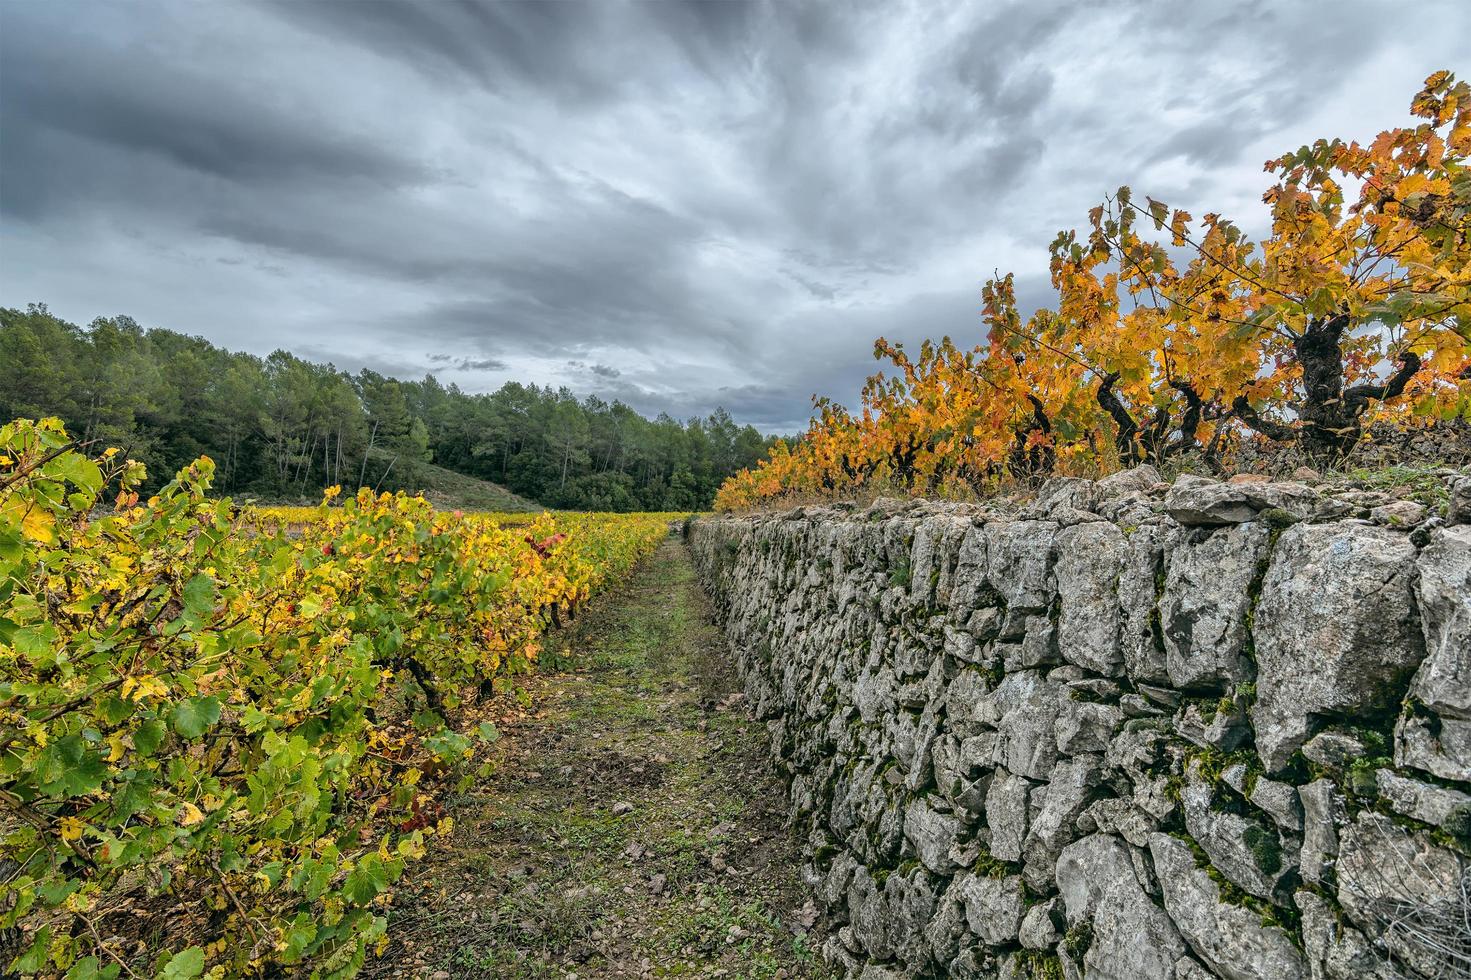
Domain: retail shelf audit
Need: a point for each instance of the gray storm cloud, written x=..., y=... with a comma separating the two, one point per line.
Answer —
x=681, y=205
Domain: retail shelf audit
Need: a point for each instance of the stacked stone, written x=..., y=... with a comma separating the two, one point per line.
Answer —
x=1131, y=730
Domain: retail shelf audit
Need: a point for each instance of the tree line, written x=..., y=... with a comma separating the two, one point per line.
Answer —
x=281, y=427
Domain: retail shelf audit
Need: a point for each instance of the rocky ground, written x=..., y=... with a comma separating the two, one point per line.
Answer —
x=631, y=826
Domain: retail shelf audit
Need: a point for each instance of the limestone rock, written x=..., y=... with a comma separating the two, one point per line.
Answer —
x=1459, y=511
x=1019, y=558
x=1323, y=813
x=1039, y=925
x=1228, y=938
x=975, y=963
x=1007, y=808
x=1140, y=640
x=993, y=907
x=1246, y=851
x=1132, y=938
x=910, y=901
x=1061, y=495
x=1213, y=726
x=868, y=916
x=1403, y=514
x=1443, y=589
x=1204, y=609
x=1335, y=750
x=1334, y=629
x=1294, y=500
x=1138, y=479
x=947, y=927
x=1115, y=815
x=968, y=587
x=1086, y=726
x=1089, y=559
x=1425, y=802
x=875, y=971
x=1281, y=803
x=1197, y=501
x=936, y=542
x=1439, y=746
x=1334, y=950
x=1055, y=825
x=933, y=834
x=1027, y=742
x=1383, y=870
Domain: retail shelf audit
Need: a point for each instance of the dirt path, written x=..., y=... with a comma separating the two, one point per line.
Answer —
x=631, y=827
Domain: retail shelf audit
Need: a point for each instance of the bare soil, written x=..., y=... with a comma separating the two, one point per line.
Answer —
x=631, y=826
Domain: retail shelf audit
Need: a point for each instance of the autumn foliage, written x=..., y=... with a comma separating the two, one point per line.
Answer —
x=223, y=733
x=1176, y=336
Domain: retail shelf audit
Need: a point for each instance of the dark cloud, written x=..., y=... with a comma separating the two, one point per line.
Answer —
x=101, y=122
x=550, y=46
x=678, y=204
x=468, y=363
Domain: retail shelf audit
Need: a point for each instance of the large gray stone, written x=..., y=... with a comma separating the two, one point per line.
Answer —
x=1334, y=750
x=1055, y=825
x=1439, y=746
x=1229, y=939
x=1204, y=610
x=868, y=916
x=1334, y=949
x=1019, y=557
x=1323, y=813
x=1403, y=514
x=993, y=906
x=933, y=834
x=1086, y=726
x=1297, y=500
x=1246, y=851
x=1388, y=876
x=1064, y=495
x=1039, y=925
x=1137, y=479
x=1140, y=584
x=1197, y=501
x=1089, y=560
x=1425, y=802
x=1007, y=811
x=1443, y=681
x=1116, y=815
x=910, y=899
x=1027, y=740
x=1133, y=939
x=968, y=587
x=947, y=927
x=1459, y=511
x=1279, y=801
x=936, y=542
x=1335, y=631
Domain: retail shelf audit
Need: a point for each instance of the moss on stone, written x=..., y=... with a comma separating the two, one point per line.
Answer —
x=1265, y=848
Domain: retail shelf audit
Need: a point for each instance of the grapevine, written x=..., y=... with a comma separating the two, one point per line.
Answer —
x=234, y=724
x=1176, y=337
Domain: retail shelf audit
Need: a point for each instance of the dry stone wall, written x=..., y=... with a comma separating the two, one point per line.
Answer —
x=1129, y=731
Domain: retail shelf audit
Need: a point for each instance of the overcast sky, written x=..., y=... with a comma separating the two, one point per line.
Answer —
x=682, y=205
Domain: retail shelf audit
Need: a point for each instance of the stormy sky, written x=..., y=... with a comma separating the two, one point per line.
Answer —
x=681, y=205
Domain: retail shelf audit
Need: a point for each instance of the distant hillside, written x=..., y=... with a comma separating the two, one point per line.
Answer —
x=449, y=490
x=445, y=489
